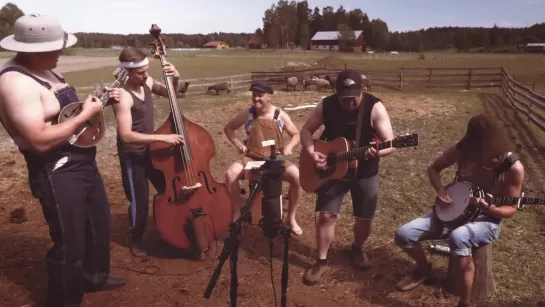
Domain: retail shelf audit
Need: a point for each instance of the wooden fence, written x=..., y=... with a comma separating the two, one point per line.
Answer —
x=403, y=78
x=525, y=100
x=198, y=86
x=235, y=82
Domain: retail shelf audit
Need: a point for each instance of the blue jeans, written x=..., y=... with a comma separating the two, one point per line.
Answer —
x=482, y=231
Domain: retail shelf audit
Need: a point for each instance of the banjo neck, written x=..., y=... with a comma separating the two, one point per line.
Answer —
x=506, y=201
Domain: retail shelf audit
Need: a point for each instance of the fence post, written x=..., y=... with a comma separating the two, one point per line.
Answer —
x=232, y=85
x=345, y=67
x=534, y=87
x=429, y=77
x=401, y=73
x=501, y=89
x=469, y=79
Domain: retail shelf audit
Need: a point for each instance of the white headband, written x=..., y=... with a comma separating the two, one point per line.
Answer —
x=144, y=62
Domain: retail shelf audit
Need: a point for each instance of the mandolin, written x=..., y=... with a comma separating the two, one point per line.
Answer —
x=92, y=132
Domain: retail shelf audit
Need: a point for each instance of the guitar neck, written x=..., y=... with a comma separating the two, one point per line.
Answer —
x=506, y=201
x=105, y=97
x=359, y=152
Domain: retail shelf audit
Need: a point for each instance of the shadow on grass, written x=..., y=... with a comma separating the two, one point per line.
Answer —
x=22, y=262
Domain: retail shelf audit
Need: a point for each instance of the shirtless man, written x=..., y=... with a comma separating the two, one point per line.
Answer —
x=485, y=156
x=339, y=113
x=63, y=177
x=263, y=121
x=135, y=129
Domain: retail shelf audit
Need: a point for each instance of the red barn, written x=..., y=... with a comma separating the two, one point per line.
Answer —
x=329, y=40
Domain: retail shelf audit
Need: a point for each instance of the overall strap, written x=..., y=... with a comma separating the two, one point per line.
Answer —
x=58, y=77
x=252, y=113
x=276, y=113
x=24, y=72
x=361, y=111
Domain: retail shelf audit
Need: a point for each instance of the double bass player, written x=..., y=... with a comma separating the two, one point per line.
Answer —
x=135, y=127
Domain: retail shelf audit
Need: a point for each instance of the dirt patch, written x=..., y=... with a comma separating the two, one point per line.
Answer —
x=331, y=61
x=165, y=279
x=399, y=105
x=290, y=66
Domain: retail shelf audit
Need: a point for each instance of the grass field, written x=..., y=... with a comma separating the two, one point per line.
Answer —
x=527, y=68
x=439, y=117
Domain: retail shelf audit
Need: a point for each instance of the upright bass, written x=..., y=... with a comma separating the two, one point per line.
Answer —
x=194, y=209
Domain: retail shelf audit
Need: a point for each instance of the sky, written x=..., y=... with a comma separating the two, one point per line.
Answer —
x=207, y=16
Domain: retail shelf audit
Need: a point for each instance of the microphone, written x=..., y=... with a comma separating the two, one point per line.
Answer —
x=271, y=206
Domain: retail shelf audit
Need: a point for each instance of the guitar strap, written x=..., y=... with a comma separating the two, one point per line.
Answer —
x=361, y=111
x=507, y=163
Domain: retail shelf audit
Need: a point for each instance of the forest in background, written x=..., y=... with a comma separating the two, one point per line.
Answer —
x=294, y=22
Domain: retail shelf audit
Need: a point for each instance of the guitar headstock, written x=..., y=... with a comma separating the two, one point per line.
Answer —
x=158, y=43
x=121, y=75
x=407, y=140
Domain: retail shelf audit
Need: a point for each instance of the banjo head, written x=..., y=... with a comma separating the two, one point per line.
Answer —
x=460, y=193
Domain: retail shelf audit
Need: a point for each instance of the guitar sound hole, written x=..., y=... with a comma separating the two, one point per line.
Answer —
x=324, y=173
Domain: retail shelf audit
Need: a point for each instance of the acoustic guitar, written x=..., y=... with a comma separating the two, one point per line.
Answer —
x=342, y=162
x=92, y=132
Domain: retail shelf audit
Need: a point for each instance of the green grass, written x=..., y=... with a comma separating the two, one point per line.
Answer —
x=527, y=68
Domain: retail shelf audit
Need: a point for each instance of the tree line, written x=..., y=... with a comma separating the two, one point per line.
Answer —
x=288, y=22
x=292, y=23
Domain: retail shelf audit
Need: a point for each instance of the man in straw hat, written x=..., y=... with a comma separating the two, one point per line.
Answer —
x=63, y=177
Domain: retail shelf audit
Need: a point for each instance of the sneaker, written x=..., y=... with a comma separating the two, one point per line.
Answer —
x=418, y=276
x=359, y=258
x=137, y=250
x=313, y=274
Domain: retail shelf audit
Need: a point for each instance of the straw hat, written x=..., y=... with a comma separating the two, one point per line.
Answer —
x=38, y=33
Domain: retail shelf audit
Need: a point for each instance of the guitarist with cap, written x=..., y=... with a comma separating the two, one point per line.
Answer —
x=483, y=156
x=63, y=177
x=348, y=113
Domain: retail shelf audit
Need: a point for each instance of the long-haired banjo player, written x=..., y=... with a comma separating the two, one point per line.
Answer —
x=484, y=157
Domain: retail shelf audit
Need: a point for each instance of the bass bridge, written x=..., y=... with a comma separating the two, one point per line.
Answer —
x=191, y=187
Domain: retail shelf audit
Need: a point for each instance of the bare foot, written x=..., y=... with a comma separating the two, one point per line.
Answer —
x=295, y=229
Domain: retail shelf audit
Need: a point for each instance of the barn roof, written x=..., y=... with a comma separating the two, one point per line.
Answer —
x=330, y=35
x=213, y=43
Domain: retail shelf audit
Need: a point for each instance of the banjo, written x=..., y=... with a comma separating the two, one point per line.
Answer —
x=462, y=210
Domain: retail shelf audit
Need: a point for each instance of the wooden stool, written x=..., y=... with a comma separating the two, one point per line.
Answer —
x=484, y=284
x=255, y=206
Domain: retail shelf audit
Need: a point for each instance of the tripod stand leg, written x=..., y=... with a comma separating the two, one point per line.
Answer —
x=234, y=275
x=286, y=233
x=223, y=256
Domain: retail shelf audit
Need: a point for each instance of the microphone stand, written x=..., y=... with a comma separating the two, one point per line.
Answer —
x=230, y=248
x=273, y=227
